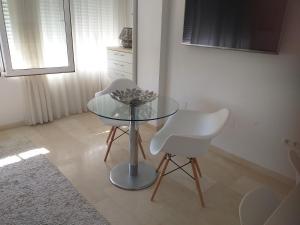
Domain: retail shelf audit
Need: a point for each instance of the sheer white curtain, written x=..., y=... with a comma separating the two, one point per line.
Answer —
x=96, y=24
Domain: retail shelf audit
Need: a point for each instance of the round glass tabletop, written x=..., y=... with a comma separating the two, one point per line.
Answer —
x=107, y=107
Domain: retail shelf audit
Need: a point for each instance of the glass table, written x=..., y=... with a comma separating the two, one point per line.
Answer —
x=133, y=175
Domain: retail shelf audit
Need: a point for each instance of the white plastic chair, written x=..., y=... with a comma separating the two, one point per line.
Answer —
x=257, y=206
x=119, y=84
x=295, y=161
x=188, y=134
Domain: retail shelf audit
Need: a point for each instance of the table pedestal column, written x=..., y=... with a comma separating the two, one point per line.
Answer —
x=135, y=175
x=133, y=147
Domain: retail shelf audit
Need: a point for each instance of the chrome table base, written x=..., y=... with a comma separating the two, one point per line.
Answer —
x=133, y=175
x=120, y=177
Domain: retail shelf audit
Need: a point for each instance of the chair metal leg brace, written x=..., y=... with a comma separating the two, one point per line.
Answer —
x=195, y=168
x=124, y=132
x=181, y=168
x=178, y=166
x=111, y=138
x=110, y=134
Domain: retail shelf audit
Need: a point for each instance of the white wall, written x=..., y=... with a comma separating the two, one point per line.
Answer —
x=149, y=43
x=262, y=91
x=129, y=17
x=11, y=101
x=152, y=48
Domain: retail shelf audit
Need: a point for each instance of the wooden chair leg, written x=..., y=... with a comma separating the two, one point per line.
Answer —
x=109, y=135
x=139, y=139
x=197, y=181
x=160, y=178
x=161, y=162
x=110, y=143
x=198, y=167
x=141, y=148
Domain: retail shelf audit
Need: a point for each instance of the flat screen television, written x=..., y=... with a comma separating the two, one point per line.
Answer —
x=253, y=25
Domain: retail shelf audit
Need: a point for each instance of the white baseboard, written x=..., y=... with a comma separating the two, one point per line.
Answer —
x=253, y=166
x=12, y=125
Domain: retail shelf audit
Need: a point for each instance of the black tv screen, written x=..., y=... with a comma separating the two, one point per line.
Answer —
x=235, y=24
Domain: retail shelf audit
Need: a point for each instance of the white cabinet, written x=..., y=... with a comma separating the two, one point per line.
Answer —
x=119, y=63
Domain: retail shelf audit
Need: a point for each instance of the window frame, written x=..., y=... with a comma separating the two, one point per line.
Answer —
x=8, y=70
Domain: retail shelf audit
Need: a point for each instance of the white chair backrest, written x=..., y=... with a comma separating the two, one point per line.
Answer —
x=189, y=133
x=197, y=125
x=257, y=206
x=118, y=84
x=295, y=161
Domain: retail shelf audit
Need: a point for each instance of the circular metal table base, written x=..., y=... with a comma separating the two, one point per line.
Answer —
x=119, y=176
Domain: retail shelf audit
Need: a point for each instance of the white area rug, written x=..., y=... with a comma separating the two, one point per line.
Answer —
x=34, y=192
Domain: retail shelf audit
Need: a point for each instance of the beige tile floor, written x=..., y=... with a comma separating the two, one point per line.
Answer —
x=77, y=148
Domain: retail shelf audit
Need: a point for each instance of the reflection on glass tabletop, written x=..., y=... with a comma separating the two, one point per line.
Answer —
x=107, y=107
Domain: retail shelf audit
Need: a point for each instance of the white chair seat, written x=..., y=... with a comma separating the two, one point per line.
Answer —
x=188, y=134
x=119, y=84
x=157, y=142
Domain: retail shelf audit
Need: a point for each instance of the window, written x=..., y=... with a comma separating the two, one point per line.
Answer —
x=36, y=37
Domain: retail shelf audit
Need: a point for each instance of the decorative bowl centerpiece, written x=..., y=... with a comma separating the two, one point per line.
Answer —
x=133, y=97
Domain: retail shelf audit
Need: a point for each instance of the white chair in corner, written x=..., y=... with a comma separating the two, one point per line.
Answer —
x=187, y=134
x=257, y=206
x=295, y=161
x=119, y=84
